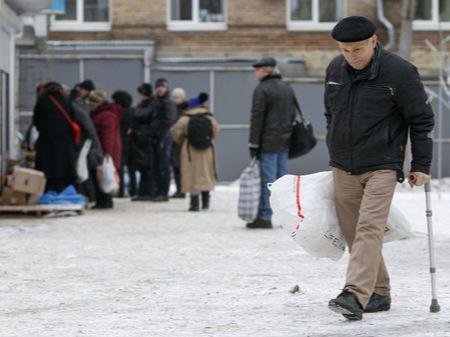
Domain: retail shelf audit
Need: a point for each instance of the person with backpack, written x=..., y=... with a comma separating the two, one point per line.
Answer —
x=195, y=132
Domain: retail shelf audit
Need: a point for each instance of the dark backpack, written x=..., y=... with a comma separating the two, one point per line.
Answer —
x=200, y=131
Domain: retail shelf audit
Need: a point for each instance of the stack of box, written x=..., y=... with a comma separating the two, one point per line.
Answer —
x=23, y=187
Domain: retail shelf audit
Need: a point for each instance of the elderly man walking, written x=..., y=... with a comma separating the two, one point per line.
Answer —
x=272, y=118
x=372, y=97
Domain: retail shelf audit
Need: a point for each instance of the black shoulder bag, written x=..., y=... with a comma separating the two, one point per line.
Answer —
x=302, y=138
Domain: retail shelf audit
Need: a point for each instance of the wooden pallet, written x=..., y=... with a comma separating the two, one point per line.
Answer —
x=40, y=210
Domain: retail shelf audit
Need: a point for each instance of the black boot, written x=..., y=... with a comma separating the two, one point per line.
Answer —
x=378, y=303
x=259, y=223
x=347, y=304
x=195, y=203
x=205, y=200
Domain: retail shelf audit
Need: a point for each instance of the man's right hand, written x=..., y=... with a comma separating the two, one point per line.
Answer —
x=254, y=153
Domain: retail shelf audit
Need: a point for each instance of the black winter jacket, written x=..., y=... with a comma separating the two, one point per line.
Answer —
x=164, y=116
x=273, y=114
x=368, y=114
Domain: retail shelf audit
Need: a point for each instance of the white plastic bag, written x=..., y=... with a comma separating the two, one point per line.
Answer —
x=110, y=179
x=249, y=192
x=304, y=207
x=81, y=164
x=397, y=227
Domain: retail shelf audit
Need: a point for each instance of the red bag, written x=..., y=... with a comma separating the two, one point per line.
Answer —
x=75, y=128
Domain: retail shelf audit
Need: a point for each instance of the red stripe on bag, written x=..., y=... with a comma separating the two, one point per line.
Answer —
x=297, y=196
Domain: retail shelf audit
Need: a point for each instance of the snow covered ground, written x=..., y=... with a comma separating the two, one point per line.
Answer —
x=155, y=270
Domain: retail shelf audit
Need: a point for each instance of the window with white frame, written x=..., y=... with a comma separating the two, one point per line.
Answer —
x=430, y=12
x=314, y=14
x=196, y=15
x=84, y=15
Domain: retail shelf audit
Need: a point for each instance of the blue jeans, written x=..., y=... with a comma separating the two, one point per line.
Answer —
x=272, y=166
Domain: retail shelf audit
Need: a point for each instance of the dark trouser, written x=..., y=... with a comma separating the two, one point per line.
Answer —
x=57, y=184
x=177, y=176
x=87, y=189
x=102, y=200
x=161, y=167
x=146, y=184
x=133, y=184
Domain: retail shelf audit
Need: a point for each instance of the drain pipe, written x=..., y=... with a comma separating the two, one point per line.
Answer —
x=387, y=24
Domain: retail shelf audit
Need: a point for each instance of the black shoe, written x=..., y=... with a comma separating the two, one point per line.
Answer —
x=178, y=195
x=259, y=223
x=103, y=207
x=138, y=198
x=347, y=304
x=160, y=198
x=378, y=303
x=195, y=203
x=205, y=200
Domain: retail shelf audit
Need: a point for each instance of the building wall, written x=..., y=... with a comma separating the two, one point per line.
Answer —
x=255, y=28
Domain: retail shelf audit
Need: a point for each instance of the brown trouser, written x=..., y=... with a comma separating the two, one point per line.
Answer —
x=362, y=205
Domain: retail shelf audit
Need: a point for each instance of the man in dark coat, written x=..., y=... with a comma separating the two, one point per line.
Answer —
x=165, y=113
x=272, y=117
x=125, y=100
x=141, y=150
x=55, y=149
x=372, y=97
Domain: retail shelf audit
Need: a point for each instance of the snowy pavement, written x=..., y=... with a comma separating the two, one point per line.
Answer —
x=155, y=270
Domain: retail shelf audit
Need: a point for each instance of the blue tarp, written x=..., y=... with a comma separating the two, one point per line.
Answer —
x=67, y=197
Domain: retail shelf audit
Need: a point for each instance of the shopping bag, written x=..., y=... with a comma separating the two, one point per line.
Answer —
x=249, y=192
x=109, y=177
x=304, y=206
x=82, y=163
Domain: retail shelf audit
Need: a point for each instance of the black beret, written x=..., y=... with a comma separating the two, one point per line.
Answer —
x=266, y=62
x=353, y=29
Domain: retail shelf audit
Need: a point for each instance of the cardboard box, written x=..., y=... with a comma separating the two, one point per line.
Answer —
x=27, y=181
x=9, y=197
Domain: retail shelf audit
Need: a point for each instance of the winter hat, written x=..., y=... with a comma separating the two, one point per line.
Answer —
x=122, y=98
x=87, y=85
x=265, y=62
x=145, y=89
x=99, y=97
x=200, y=100
x=353, y=29
x=179, y=92
x=161, y=82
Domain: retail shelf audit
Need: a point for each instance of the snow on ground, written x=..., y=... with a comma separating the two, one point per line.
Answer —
x=155, y=270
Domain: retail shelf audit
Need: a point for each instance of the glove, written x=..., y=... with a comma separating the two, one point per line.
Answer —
x=418, y=179
x=254, y=153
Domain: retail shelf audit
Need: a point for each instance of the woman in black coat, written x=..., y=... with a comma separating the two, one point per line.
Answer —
x=55, y=149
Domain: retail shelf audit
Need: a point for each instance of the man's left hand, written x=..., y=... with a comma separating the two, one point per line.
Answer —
x=418, y=179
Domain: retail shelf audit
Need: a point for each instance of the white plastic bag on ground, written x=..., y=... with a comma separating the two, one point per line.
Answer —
x=110, y=179
x=249, y=192
x=81, y=164
x=304, y=207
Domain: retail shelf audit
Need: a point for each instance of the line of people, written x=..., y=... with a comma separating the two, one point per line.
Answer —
x=164, y=133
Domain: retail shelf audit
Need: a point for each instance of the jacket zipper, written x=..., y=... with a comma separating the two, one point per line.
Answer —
x=352, y=104
x=384, y=87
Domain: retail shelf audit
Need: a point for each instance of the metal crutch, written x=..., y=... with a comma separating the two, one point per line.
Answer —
x=434, y=302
